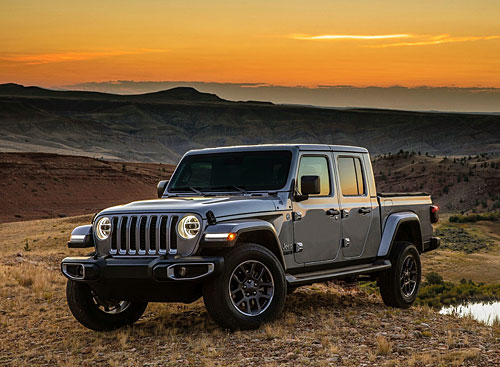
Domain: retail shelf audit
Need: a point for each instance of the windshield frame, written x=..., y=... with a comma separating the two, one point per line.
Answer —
x=188, y=192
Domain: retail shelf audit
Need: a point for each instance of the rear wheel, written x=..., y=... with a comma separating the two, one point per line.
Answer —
x=250, y=291
x=97, y=314
x=400, y=284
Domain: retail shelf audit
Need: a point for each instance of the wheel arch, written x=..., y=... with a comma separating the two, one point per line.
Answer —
x=400, y=227
x=257, y=231
x=265, y=238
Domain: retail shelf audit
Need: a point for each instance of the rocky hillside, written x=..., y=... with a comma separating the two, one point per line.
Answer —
x=161, y=126
x=41, y=185
x=457, y=184
x=37, y=185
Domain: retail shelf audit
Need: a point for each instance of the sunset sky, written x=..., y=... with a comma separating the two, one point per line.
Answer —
x=289, y=43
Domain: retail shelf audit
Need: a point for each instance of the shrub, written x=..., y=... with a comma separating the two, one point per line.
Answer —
x=492, y=217
x=448, y=293
x=434, y=278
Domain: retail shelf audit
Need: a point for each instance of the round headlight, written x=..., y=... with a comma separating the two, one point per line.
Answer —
x=188, y=227
x=103, y=228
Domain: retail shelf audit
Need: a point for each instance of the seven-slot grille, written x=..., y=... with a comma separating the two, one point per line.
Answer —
x=143, y=234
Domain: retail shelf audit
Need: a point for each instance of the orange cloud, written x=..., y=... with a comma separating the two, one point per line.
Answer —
x=350, y=37
x=56, y=57
x=414, y=39
x=436, y=40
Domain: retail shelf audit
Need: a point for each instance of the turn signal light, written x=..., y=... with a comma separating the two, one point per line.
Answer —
x=231, y=236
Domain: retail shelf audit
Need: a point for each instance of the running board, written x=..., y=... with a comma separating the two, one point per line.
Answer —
x=319, y=276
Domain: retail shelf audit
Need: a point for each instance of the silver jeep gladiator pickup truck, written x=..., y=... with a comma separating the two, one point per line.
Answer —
x=241, y=227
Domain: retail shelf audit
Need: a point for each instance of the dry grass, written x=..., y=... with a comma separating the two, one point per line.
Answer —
x=454, y=265
x=384, y=346
x=322, y=325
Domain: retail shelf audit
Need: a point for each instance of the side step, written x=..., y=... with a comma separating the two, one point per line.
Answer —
x=319, y=276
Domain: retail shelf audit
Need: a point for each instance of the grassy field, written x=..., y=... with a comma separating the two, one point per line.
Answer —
x=475, y=256
x=322, y=324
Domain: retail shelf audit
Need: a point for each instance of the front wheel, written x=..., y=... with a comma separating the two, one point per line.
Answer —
x=97, y=314
x=400, y=284
x=249, y=292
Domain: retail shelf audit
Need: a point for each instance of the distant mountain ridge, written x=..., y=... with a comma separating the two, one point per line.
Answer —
x=161, y=126
x=175, y=94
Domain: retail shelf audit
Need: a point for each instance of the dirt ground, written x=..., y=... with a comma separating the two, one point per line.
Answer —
x=323, y=325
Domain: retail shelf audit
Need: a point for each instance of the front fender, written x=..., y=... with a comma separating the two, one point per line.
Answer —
x=392, y=224
x=81, y=237
x=217, y=235
x=249, y=230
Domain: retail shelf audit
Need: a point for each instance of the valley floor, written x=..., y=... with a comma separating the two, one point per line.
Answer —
x=322, y=324
x=481, y=265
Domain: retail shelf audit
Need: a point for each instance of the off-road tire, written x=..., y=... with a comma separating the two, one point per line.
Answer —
x=216, y=291
x=390, y=280
x=83, y=307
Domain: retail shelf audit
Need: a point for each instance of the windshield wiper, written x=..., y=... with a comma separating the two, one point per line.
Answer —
x=240, y=189
x=190, y=188
x=237, y=188
x=196, y=190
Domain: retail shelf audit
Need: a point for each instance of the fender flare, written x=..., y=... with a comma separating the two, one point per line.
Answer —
x=239, y=227
x=392, y=224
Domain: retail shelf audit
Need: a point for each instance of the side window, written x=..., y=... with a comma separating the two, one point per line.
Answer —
x=315, y=166
x=351, y=176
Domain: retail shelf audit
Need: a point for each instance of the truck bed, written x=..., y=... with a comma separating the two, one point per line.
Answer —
x=416, y=202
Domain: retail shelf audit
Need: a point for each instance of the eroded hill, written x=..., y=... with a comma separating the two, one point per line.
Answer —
x=161, y=126
x=457, y=184
x=37, y=185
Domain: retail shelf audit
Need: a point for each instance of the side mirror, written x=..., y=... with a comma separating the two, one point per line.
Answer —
x=309, y=185
x=162, y=185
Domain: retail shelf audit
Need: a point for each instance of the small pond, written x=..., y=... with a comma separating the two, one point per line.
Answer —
x=480, y=311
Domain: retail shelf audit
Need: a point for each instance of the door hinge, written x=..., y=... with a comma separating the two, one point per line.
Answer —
x=346, y=242
x=296, y=216
x=299, y=247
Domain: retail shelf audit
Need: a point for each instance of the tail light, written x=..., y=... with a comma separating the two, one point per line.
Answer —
x=434, y=213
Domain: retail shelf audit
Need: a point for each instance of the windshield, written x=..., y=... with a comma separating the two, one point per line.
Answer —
x=237, y=171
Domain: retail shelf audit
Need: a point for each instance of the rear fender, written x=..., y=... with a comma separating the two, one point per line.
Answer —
x=404, y=226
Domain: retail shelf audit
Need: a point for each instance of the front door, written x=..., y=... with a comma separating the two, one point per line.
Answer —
x=316, y=219
x=355, y=204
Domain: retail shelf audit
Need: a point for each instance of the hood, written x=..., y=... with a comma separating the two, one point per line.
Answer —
x=221, y=206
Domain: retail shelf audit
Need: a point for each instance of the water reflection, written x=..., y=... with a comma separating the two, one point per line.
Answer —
x=484, y=312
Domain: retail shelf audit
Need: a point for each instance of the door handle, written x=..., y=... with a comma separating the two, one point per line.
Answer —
x=332, y=212
x=364, y=210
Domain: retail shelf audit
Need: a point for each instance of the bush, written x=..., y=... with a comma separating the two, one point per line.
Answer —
x=447, y=293
x=434, y=278
x=470, y=218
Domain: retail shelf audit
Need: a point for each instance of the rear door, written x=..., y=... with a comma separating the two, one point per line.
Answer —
x=316, y=223
x=355, y=203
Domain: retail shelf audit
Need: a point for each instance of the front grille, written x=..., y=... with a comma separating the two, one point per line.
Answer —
x=143, y=235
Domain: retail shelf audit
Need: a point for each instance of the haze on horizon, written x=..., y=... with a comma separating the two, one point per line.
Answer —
x=286, y=47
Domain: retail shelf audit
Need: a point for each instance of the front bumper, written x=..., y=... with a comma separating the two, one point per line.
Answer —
x=159, y=269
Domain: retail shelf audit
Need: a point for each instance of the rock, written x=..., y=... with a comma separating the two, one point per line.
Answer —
x=416, y=334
